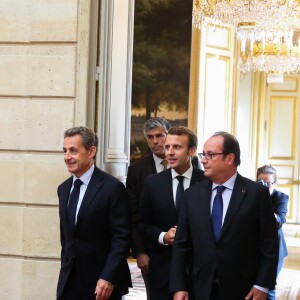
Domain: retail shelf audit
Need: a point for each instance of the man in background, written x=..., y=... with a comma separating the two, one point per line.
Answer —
x=267, y=175
x=155, y=131
x=94, y=225
x=160, y=205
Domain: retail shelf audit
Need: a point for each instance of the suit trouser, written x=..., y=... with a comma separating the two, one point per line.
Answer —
x=146, y=281
x=215, y=291
x=161, y=293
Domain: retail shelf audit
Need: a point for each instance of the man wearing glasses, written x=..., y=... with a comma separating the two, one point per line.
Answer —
x=267, y=176
x=155, y=131
x=227, y=232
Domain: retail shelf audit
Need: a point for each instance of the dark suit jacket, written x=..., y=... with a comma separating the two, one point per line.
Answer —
x=158, y=214
x=136, y=176
x=280, y=202
x=246, y=253
x=99, y=245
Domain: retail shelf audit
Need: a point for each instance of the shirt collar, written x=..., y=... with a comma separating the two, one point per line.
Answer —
x=157, y=160
x=229, y=184
x=86, y=177
x=188, y=173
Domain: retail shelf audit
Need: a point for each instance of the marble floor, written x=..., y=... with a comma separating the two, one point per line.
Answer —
x=288, y=287
x=138, y=291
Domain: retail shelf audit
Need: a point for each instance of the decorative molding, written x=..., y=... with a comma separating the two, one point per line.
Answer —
x=214, y=38
x=194, y=80
x=280, y=121
x=279, y=87
x=114, y=99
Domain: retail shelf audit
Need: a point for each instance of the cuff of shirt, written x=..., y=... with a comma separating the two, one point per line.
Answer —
x=161, y=239
x=265, y=290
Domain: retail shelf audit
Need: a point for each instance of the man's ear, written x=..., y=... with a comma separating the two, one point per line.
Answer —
x=192, y=151
x=230, y=158
x=92, y=151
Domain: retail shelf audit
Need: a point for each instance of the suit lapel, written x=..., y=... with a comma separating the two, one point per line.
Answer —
x=207, y=186
x=94, y=186
x=196, y=176
x=152, y=167
x=169, y=185
x=64, y=197
x=193, y=179
x=237, y=198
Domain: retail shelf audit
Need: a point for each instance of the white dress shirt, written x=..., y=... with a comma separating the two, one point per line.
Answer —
x=158, y=165
x=85, y=178
x=186, y=183
x=226, y=195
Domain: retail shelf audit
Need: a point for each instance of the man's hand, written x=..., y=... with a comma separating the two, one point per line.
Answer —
x=256, y=294
x=181, y=296
x=170, y=236
x=143, y=262
x=103, y=289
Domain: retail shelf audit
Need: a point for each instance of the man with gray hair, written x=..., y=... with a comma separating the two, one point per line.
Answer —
x=155, y=131
x=94, y=225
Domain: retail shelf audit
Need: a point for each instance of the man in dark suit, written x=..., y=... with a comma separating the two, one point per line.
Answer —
x=267, y=175
x=158, y=210
x=155, y=131
x=94, y=225
x=226, y=233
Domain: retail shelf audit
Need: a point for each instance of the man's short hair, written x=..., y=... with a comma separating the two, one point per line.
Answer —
x=88, y=136
x=156, y=123
x=267, y=169
x=230, y=145
x=181, y=130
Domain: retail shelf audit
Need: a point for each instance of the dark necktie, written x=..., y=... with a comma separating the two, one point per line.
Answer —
x=179, y=192
x=217, y=212
x=164, y=162
x=72, y=207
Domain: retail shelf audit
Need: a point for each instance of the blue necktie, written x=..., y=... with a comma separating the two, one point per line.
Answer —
x=179, y=192
x=217, y=212
x=73, y=201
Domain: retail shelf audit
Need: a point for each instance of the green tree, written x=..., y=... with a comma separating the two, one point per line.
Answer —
x=161, y=55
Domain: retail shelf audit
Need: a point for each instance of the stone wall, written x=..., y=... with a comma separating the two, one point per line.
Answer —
x=43, y=75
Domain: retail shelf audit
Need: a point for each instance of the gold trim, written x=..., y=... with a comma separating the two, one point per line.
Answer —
x=247, y=24
x=227, y=76
x=287, y=78
x=261, y=90
x=272, y=100
x=194, y=80
x=229, y=30
x=285, y=165
x=234, y=85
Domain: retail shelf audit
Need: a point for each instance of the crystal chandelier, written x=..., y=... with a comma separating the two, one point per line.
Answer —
x=263, y=27
x=271, y=14
x=272, y=52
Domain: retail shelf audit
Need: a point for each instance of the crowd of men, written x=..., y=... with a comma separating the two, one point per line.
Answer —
x=196, y=234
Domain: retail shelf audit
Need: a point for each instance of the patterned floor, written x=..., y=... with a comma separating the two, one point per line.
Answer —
x=138, y=292
x=288, y=287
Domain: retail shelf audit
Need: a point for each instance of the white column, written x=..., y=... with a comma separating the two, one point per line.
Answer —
x=114, y=100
